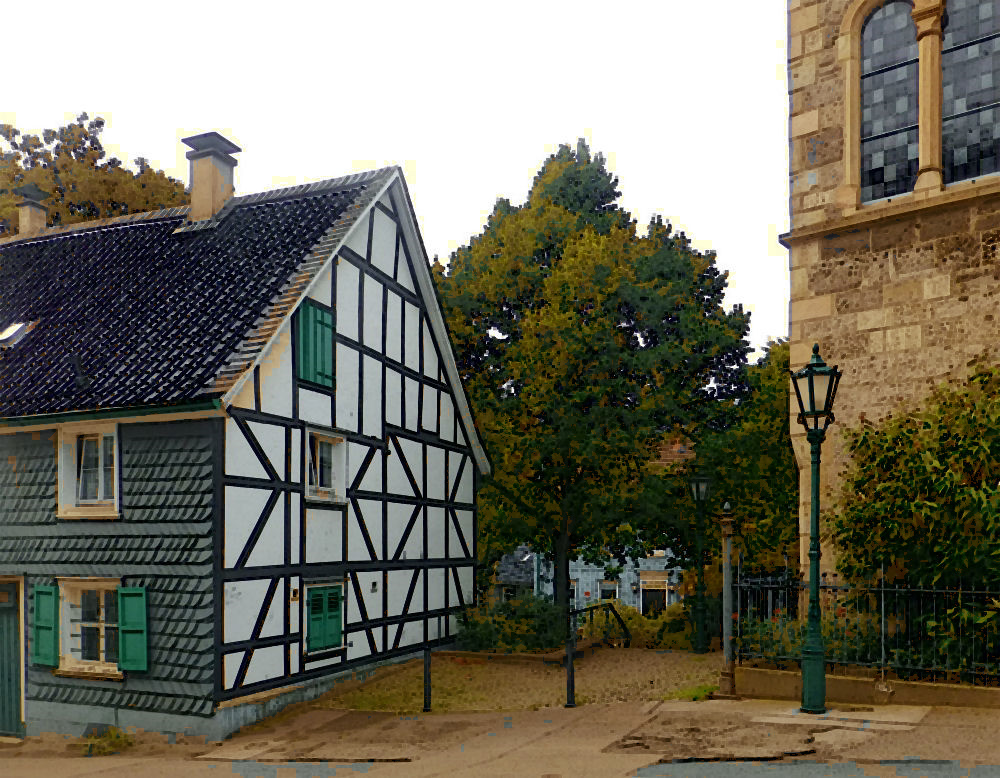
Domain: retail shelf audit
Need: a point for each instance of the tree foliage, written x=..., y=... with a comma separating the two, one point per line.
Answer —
x=66, y=163
x=753, y=467
x=582, y=345
x=921, y=496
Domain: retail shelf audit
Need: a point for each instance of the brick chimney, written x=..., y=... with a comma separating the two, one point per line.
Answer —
x=211, y=173
x=31, y=213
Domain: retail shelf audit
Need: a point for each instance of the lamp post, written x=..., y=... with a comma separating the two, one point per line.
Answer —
x=728, y=685
x=818, y=383
x=700, y=487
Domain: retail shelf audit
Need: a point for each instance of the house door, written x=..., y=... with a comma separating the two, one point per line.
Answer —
x=653, y=601
x=10, y=662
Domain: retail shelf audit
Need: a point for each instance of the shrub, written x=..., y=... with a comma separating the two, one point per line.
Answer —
x=112, y=741
x=528, y=623
x=668, y=629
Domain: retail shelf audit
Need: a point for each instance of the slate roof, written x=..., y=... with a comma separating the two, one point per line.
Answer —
x=511, y=570
x=157, y=310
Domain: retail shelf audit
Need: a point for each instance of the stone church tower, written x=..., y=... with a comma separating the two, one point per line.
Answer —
x=895, y=206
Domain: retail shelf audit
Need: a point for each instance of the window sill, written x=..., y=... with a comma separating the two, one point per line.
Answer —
x=89, y=673
x=100, y=512
x=326, y=499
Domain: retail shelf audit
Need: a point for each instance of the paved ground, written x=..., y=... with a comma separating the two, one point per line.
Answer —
x=602, y=741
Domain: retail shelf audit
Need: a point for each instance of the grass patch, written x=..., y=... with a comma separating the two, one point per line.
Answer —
x=693, y=693
x=113, y=741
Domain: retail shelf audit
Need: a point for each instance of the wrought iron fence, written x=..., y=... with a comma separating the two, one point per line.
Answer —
x=917, y=632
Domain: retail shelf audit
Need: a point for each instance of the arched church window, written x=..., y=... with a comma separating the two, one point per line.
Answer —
x=889, y=88
x=970, y=111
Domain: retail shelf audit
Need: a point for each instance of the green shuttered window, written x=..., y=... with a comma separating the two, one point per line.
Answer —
x=109, y=628
x=45, y=628
x=315, y=340
x=132, y=644
x=324, y=614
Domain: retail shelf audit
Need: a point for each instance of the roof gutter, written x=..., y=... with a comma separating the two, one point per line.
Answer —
x=68, y=416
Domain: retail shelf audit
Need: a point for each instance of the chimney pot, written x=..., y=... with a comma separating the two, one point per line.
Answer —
x=31, y=213
x=211, y=173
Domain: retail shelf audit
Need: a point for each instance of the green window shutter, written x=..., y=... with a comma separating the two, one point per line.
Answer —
x=316, y=606
x=132, y=640
x=333, y=616
x=45, y=627
x=315, y=339
x=324, y=345
x=305, y=342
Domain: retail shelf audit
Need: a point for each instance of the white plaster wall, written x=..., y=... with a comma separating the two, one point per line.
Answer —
x=373, y=398
x=271, y=438
x=265, y=663
x=360, y=645
x=372, y=512
x=274, y=622
x=465, y=487
x=466, y=577
x=242, y=601
x=411, y=397
x=322, y=290
x=240, y=459
x=398, y=517
x=243, y=506
x=314, y=407
x=435, y=532
x=430, y=354
x=372, y=313
x=404, y=276
x=454, y=542
x=347, y=388
x=324, y=535
x=412, y=346
x=270, y=546
x=447, y=417
x=393, y=397
x=435, y=588
x=384, y=199
x=413, y=632
x=453, y=599
x=312, y=665
x=276, y=376
x=413, y=451
x=293, y=607
x=295, y=475
x=394, y=327
x=435, y=472
x=356, y=548
x=356, y=453
x=372, y=480
x=295, y=526
x=347, y=300
x=383, y=242
x=398, y=482
x=431, y=414
x=465, y=524
x=293, y=658
x=357, y=238
x=452, y=625
x=454, y=463
x=399, y=584
x=230, y=667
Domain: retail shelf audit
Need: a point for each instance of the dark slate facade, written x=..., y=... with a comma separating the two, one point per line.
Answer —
x=163, y=541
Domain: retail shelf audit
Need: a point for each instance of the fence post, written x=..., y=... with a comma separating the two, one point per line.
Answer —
x=427, y=680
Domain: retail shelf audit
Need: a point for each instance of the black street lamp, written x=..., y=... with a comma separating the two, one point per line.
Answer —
x=818, y=383
x=700, y=486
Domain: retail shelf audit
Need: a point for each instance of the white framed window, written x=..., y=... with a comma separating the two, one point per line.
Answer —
x=609, y=590
x=89, y=626
x=326, y=466
x=88, y=470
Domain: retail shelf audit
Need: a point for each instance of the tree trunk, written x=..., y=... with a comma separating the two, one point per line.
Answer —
x=561, y=590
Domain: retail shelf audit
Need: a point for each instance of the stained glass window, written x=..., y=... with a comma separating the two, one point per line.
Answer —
x=889, y=87
x=970, y=63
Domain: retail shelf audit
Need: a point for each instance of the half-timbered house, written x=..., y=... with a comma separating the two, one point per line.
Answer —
x=235, y=454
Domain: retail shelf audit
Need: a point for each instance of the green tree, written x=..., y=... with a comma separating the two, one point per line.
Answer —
x=920, y=496
x=753, y=467
x=581, y=344
x=66, y=163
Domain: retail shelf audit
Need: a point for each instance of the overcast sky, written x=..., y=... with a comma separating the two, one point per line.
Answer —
x=689, y=107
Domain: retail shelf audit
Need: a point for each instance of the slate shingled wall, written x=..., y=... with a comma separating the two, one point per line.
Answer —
x=163, y=542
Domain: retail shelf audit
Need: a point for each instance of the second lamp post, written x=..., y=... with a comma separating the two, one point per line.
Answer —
x=818, y=384
x=700, y=486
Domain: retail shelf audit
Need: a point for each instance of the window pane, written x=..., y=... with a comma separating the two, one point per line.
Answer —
x=967, y=20
x=111, y=644
x=111, y=607
x=889, y=89
x=325, y=463
x=90, y=606
x=90, y=644
x=108, y=466
x=88, y=467
x=312, y=460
